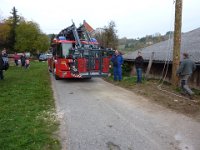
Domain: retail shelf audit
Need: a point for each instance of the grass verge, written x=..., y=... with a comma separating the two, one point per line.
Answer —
x=27, y=112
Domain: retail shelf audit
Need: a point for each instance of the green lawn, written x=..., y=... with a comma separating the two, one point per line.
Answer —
x=27, y=111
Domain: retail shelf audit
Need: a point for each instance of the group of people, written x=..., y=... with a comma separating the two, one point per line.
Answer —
x=185, y=70
x=4, y=63
x=25, y=62
x=117, y=61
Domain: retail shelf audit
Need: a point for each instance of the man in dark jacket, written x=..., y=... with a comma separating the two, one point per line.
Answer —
x=139, y=65
x=5, y=59
x=184, y=71
x=23, y=59
x=1, y=67
x=117, y=61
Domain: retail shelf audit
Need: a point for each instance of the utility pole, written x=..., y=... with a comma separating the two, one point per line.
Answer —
x=177, y=41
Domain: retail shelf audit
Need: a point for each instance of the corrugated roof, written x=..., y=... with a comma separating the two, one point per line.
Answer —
x=190, y=43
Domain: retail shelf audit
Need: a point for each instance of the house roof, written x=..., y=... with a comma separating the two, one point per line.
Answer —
x=190, y=43
x=88, y=27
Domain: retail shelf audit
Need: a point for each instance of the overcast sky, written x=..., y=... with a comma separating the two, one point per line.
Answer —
x=133, y=18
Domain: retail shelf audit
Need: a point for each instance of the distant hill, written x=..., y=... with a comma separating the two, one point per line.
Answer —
x=135, y=44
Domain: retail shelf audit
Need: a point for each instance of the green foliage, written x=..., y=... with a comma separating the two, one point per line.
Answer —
x=107, y=36
x=27, y=109
x=126, y=69
x=7, y=30
x=51, y=36
x=127, y=81
x=26, y=35
x=42, y=43
x=4, y=34
x=20, y=35
x=29, y=38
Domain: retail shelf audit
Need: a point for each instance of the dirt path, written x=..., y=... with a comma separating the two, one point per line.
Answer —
x=97, y=115
x=165, y=95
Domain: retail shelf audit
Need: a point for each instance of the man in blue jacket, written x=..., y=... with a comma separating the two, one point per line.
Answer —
x=184, y=71
x=117, y=61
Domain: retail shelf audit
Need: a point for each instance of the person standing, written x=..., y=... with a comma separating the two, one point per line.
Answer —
x=1, y=67
x=5, y=59
x=185, y=70
x=139, y=65
x=16, y=59
x=23, y=59
x=117, y=61
x=27, y=63
x=4, y=53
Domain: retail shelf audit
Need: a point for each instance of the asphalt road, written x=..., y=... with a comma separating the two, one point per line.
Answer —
x=96, y=115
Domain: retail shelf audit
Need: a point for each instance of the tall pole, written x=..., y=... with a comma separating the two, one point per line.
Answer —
x=177, y=41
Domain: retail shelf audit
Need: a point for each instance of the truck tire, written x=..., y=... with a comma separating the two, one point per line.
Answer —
x=55, y=76
x=49, y=69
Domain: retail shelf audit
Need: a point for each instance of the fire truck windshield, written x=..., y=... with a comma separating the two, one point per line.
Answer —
x=65, y=49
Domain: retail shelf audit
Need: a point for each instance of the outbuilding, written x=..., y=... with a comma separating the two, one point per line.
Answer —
x=162, y=56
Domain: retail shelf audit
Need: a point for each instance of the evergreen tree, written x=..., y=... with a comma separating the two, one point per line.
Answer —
x=14, y=20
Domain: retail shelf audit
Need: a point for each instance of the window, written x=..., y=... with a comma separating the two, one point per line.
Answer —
x=65, y=49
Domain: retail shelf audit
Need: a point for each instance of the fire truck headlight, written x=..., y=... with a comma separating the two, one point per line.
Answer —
x=63, y=62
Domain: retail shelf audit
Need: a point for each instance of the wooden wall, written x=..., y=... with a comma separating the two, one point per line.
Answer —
x=157, y=72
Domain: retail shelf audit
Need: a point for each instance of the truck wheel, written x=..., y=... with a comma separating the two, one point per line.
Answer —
x=56, y=77
x=54, y=73
x=50, y=69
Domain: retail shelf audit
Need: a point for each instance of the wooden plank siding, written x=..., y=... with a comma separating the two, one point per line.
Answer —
x=157, y=69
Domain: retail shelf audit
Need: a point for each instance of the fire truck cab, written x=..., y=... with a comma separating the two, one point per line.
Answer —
x=73, y=57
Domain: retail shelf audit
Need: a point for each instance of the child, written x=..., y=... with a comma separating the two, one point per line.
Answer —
x=27, y=63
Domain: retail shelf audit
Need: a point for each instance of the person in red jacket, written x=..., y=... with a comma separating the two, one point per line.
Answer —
x=16, y=59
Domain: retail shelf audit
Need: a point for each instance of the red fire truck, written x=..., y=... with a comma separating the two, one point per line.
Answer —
x=76, y=55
